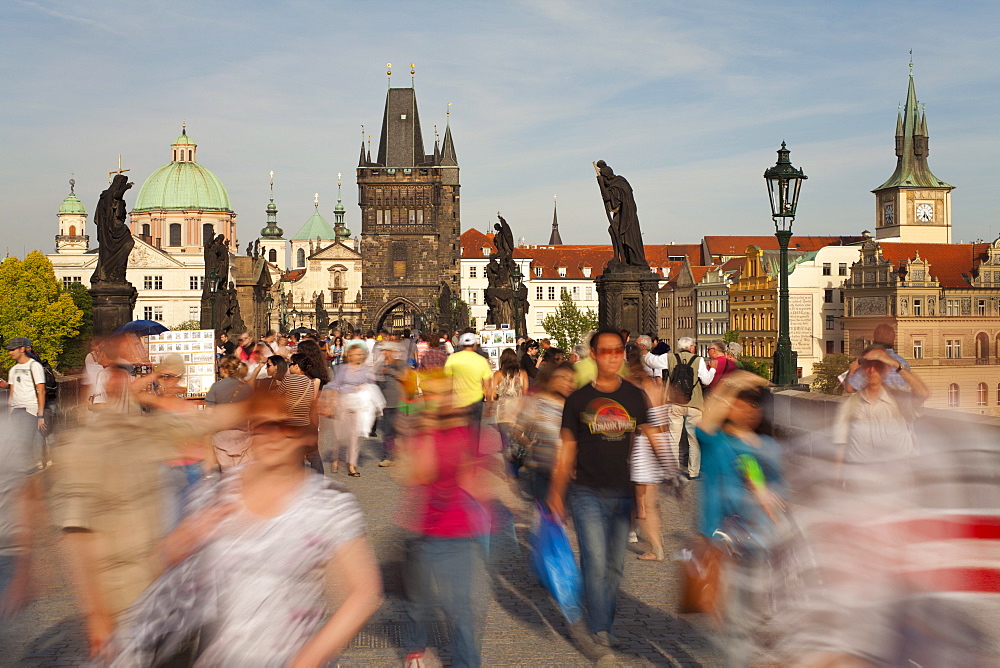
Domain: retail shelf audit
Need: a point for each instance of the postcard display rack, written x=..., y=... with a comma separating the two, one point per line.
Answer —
x=197, y=349
x=495, y=341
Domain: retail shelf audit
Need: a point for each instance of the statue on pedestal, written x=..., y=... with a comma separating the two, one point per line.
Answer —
x=113, y=235
x=500, y=294
x=619, y=204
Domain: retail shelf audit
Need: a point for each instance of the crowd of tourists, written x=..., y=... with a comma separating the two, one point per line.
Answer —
x=205, y=535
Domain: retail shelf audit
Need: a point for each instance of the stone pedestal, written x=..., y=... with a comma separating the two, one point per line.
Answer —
x=627, y=298
x=113, y=306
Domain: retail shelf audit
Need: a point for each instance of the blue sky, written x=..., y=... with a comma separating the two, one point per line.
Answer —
x=687, y=100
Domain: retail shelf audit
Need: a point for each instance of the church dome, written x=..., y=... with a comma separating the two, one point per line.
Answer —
x=72, y=206
x=183, y=184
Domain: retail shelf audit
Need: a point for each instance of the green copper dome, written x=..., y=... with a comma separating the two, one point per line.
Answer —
x=182, y=186
x=316, y=226
x=72, y=206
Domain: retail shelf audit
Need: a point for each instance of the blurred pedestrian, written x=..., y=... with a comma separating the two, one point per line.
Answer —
x=232, y=446
x=719, y=362
x=445, y=514
x=346, y=400
x=305, y=365
x=530, y=359
x=511, y=383
x=471, y=376
x=26, y=404
x=689, y=375
x=741, y=506
x=392, y=376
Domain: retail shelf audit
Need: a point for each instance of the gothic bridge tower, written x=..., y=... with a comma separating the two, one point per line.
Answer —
x=410, y=222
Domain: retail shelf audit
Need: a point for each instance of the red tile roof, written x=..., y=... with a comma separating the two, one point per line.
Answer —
x=736, y=245
x=293, y=274
x=698, y=272
x=951, y=264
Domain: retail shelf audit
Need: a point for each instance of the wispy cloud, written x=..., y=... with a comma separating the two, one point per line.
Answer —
x=70, y=17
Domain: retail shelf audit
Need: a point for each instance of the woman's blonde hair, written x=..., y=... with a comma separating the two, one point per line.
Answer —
x=233, y=367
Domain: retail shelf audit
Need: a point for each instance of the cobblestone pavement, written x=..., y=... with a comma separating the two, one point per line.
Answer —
x=523, y=626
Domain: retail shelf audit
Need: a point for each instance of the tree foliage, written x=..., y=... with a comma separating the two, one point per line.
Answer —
x=568, y=323
x=75, y=351
x=826, y=372
x=187, y=325
x=731, y=336
x=34, y=306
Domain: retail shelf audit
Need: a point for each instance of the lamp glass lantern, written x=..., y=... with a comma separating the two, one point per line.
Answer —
x=783, y=184
x=213, y=282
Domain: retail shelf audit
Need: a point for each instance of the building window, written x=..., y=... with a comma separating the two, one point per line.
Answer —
x=196, y=282
x=152, y=283
x=842, y=269
x=207, y=233
x=576, y=292
x=399, y=259
x=562, y=272
x=826, y=268
x=472, y=296
x=272, y=255
x=981, y=307
x=918, y=306
x=828, y=296
x=194, y=313
x=145, y=229
x=539, y=292
x=586, y=272
x=953, y=349
x=829, y=347
x=953, y=307
x=918, y=349
x=981, y=393
x=152, y=312
x=829, y=322
x=67, y=281
x=552, y=293
x=472, y=272
x=588, y=293
x=175, y=236
x=953, y=396
x=300, y=257
x=538, y=272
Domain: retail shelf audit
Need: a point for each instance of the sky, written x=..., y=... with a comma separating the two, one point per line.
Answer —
x=688, y=101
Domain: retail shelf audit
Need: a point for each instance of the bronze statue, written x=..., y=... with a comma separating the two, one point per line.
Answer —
x=503, y=240
x=113, y=235
x=500, y=295
x=619, y=204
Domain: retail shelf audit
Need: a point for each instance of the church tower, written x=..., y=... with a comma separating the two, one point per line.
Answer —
x=72, y=237
x=913, y=205
x=410, y=223
x=273, y=246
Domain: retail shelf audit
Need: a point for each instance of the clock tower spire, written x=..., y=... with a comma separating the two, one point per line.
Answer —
x=913, y=205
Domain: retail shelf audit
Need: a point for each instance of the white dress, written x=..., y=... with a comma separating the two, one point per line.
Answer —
x=646, y=467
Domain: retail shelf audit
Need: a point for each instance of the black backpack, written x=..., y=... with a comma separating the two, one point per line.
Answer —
x=682, y=380
x=51, y=385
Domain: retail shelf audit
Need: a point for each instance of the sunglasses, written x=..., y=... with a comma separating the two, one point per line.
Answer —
x=170, y=375
x=607, y=352
x=275, y=428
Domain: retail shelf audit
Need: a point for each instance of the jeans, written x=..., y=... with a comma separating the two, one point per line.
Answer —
x=454, y=566
x=602, y=519
x=683, y=421
x=388, y=431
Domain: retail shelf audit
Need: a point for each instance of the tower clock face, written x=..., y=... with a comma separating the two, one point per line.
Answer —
x=888, y=214
x=925, y=212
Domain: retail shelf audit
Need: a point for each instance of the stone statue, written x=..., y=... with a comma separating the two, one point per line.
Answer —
x=113, y=235
x=500, y=296
x=217, y=260
x=503, y=240
x=619, y=204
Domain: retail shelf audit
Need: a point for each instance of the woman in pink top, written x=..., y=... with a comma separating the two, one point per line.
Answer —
x=445, y=512
x=719, y=362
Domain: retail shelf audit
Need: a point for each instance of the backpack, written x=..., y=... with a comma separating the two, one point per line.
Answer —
x=682, y=380
x=51, y=385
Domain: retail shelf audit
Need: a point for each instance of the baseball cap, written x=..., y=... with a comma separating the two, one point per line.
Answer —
x=18, y=342
x=467, y=339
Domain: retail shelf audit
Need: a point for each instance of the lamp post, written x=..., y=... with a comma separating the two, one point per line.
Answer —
x=213, y=287
x=294, y=314
x=268, y=305
x=515, y=285
x=783, y=184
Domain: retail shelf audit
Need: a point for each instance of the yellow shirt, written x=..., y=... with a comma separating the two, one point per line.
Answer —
x=467, y=370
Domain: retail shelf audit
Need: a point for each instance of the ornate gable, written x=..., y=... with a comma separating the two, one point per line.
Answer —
x=146, y=256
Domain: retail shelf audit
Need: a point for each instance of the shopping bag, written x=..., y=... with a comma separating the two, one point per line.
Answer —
x=556, y=566
x=701, y=576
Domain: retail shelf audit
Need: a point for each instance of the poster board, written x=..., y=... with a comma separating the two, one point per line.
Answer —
x=494, y=341
x=197, y=348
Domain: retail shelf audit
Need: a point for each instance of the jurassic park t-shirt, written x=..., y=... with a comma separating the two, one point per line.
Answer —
x=604, y=424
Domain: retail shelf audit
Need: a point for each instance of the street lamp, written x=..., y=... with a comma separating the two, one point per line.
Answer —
x=783, y=184
x=269, y=304
x=213, y=287
x=295, y=315
x=515, y=285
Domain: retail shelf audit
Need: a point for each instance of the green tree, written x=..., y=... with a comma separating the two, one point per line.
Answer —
x=33, y=305
x=187, y=325
x=827, y=370
x=568, y=323
x=762, y=369
x=75, y=351
x=731, y=336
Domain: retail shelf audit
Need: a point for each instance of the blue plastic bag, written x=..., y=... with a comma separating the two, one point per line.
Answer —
x=556, y=566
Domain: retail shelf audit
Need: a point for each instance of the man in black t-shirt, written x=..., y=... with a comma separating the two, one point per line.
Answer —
x=600, y=421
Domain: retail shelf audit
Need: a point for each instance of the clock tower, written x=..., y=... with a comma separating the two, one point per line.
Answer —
x=913, y=205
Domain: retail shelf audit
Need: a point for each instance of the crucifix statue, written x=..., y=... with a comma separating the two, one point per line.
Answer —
x=112, y=173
